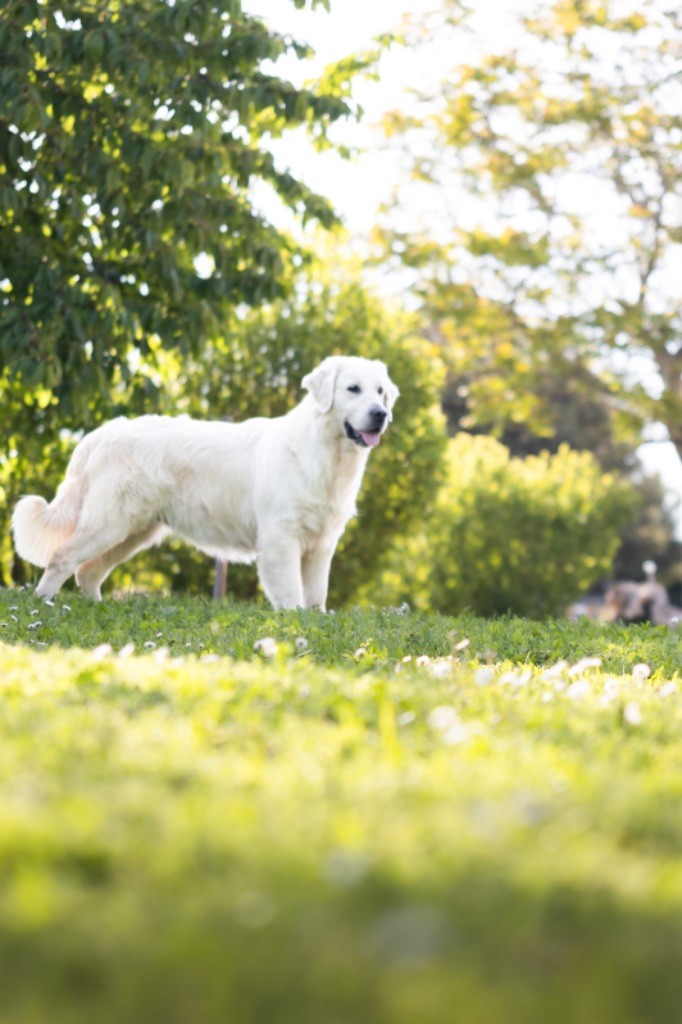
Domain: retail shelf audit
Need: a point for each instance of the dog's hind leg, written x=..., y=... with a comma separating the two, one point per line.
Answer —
x=91, y=575
x=86, y=544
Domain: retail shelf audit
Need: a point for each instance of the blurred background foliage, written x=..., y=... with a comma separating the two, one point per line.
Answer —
x=548, y=182
x=138, y=274
x=504, y=532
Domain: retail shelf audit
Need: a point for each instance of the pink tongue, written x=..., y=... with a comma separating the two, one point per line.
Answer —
x=371, y=440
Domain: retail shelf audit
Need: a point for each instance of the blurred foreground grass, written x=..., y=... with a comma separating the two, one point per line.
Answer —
x=333, y=833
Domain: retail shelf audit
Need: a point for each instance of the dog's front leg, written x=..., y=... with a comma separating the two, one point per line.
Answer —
x=316, y=566
x=279, y=571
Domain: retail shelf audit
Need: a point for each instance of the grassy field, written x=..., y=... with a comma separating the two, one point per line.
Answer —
x=212, y=813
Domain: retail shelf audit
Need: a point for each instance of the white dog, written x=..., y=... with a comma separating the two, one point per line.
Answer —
x=279, y=491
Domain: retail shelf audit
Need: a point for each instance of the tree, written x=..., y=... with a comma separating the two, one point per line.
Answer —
x=132, y=135
x=554, y=170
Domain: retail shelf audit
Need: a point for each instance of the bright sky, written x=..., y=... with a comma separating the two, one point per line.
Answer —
x=357, y=188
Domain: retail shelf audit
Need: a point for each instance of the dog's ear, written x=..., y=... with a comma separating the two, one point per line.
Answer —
x=392, y=394
x=321, y=383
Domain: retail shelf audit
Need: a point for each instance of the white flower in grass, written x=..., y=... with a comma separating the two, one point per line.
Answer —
x=578, y=690
x=612, y=686
x=610, y=691
x=35, y=611
x=515, y=679
x=267, y=646
x=127, y=650
x=554, y=671
x=667, y=689
x=446, y=721
x=583, y=665
x=461, y=645
x=457, y=733
x=422, y=660
x=441, y=668
x=209, y=659
x=641, y=672
x=301, y=644
x=35, y=625
x=406, y=718
x=149, y=644
x=442, y=717
x=484, y=676
x=632, y=713
x=66, y=607
x=102, y=651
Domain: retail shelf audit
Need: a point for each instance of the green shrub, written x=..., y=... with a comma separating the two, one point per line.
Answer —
x=508, y=534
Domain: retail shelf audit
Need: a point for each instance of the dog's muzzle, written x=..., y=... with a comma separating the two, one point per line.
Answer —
x=371, y=435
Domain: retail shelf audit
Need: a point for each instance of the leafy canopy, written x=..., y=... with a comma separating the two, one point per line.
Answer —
x=132, y=136
x=551, y=176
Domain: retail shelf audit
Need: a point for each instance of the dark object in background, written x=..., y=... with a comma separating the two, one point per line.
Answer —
x=641, y=602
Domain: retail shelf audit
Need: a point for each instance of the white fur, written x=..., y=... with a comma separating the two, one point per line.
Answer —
x=279, y=491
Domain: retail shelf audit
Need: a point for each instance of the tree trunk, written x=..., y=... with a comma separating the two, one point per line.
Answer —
x=220, y=581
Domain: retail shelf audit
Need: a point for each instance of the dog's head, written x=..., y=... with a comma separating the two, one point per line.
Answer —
x=357, y=394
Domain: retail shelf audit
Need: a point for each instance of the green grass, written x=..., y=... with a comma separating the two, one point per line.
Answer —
x=197, y=832
x=185, y=625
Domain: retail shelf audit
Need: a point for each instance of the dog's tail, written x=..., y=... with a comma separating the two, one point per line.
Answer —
x=39, y=528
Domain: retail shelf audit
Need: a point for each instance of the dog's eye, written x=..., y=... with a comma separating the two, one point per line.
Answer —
x=355, y=388
x=380, y=391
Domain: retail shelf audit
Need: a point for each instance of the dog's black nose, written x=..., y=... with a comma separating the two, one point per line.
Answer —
x=377, y=416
